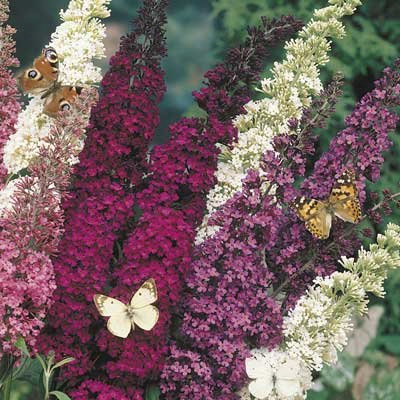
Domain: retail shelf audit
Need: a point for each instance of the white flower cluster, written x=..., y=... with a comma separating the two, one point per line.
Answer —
x=276, y=376
x=23, y=146
x=6, y=195
x=293, y=84
x=315, y=329
x=78, y=41
x=319, y=324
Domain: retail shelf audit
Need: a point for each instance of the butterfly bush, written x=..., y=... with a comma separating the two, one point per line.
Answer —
x=362, y=143
x=359, y=146
x=111, y=167
x=227, y=270
x=31, y=230
x=9, y=98
x=78, y=41
x=176, y=175
x=92, y=389
x=31, y=222
x=257, y=296
x=227, y=303
x=293, y=84
x=172, y=204
x=318, y=326
x=247, y=243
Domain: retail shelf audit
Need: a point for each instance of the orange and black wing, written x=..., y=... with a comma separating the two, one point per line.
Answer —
x=60, y=100
x=343, y=199
x=316, y=216
x=42, y=75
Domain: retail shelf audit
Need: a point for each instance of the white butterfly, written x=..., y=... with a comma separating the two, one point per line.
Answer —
x=283, y=380
x=139, y=311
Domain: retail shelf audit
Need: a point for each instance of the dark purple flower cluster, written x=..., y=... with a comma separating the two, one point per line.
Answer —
x=111, y=166
x=92, y=389
x=361, y=145
x=227, y=305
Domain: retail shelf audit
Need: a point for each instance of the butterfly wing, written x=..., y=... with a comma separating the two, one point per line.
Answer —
x=343, y=199
x=261, y=388
x=287, y=379
x=146, y=295
x=42, y=75
x=107, y=306
x=316, y=216
x=263, y=384
x=120, y=325
x=256, y=368
x=60, y=100
x=146, y=317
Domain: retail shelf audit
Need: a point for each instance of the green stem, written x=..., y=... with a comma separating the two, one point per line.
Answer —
x=46, y=385
x=7, y=388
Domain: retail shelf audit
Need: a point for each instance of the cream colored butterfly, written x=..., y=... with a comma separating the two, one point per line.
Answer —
x=124, y=317
x=284, y=381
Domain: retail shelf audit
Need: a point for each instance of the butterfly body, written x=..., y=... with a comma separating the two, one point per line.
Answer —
x=124, y=317
x=42, y=80
x=342, y=202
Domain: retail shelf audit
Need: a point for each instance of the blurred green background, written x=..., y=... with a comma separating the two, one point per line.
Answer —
x=198, y=33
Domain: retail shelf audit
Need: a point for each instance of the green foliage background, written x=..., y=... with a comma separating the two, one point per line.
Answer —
x=198, y=34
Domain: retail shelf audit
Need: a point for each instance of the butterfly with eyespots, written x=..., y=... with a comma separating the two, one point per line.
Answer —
x=124, y=317
x=342, y=202
x=42, y=80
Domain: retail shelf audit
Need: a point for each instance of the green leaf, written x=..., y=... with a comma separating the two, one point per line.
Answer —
x=390, y=343
x=152, y=393
x=60, y=395
x=62, y=362
x=320, y=395
x=21, y=345
x=384, y=386
x=42, y=362
x=6, y=368
x=375, y=357
x=29, y=370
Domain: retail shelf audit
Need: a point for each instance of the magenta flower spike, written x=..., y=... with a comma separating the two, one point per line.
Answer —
x=111, y=167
